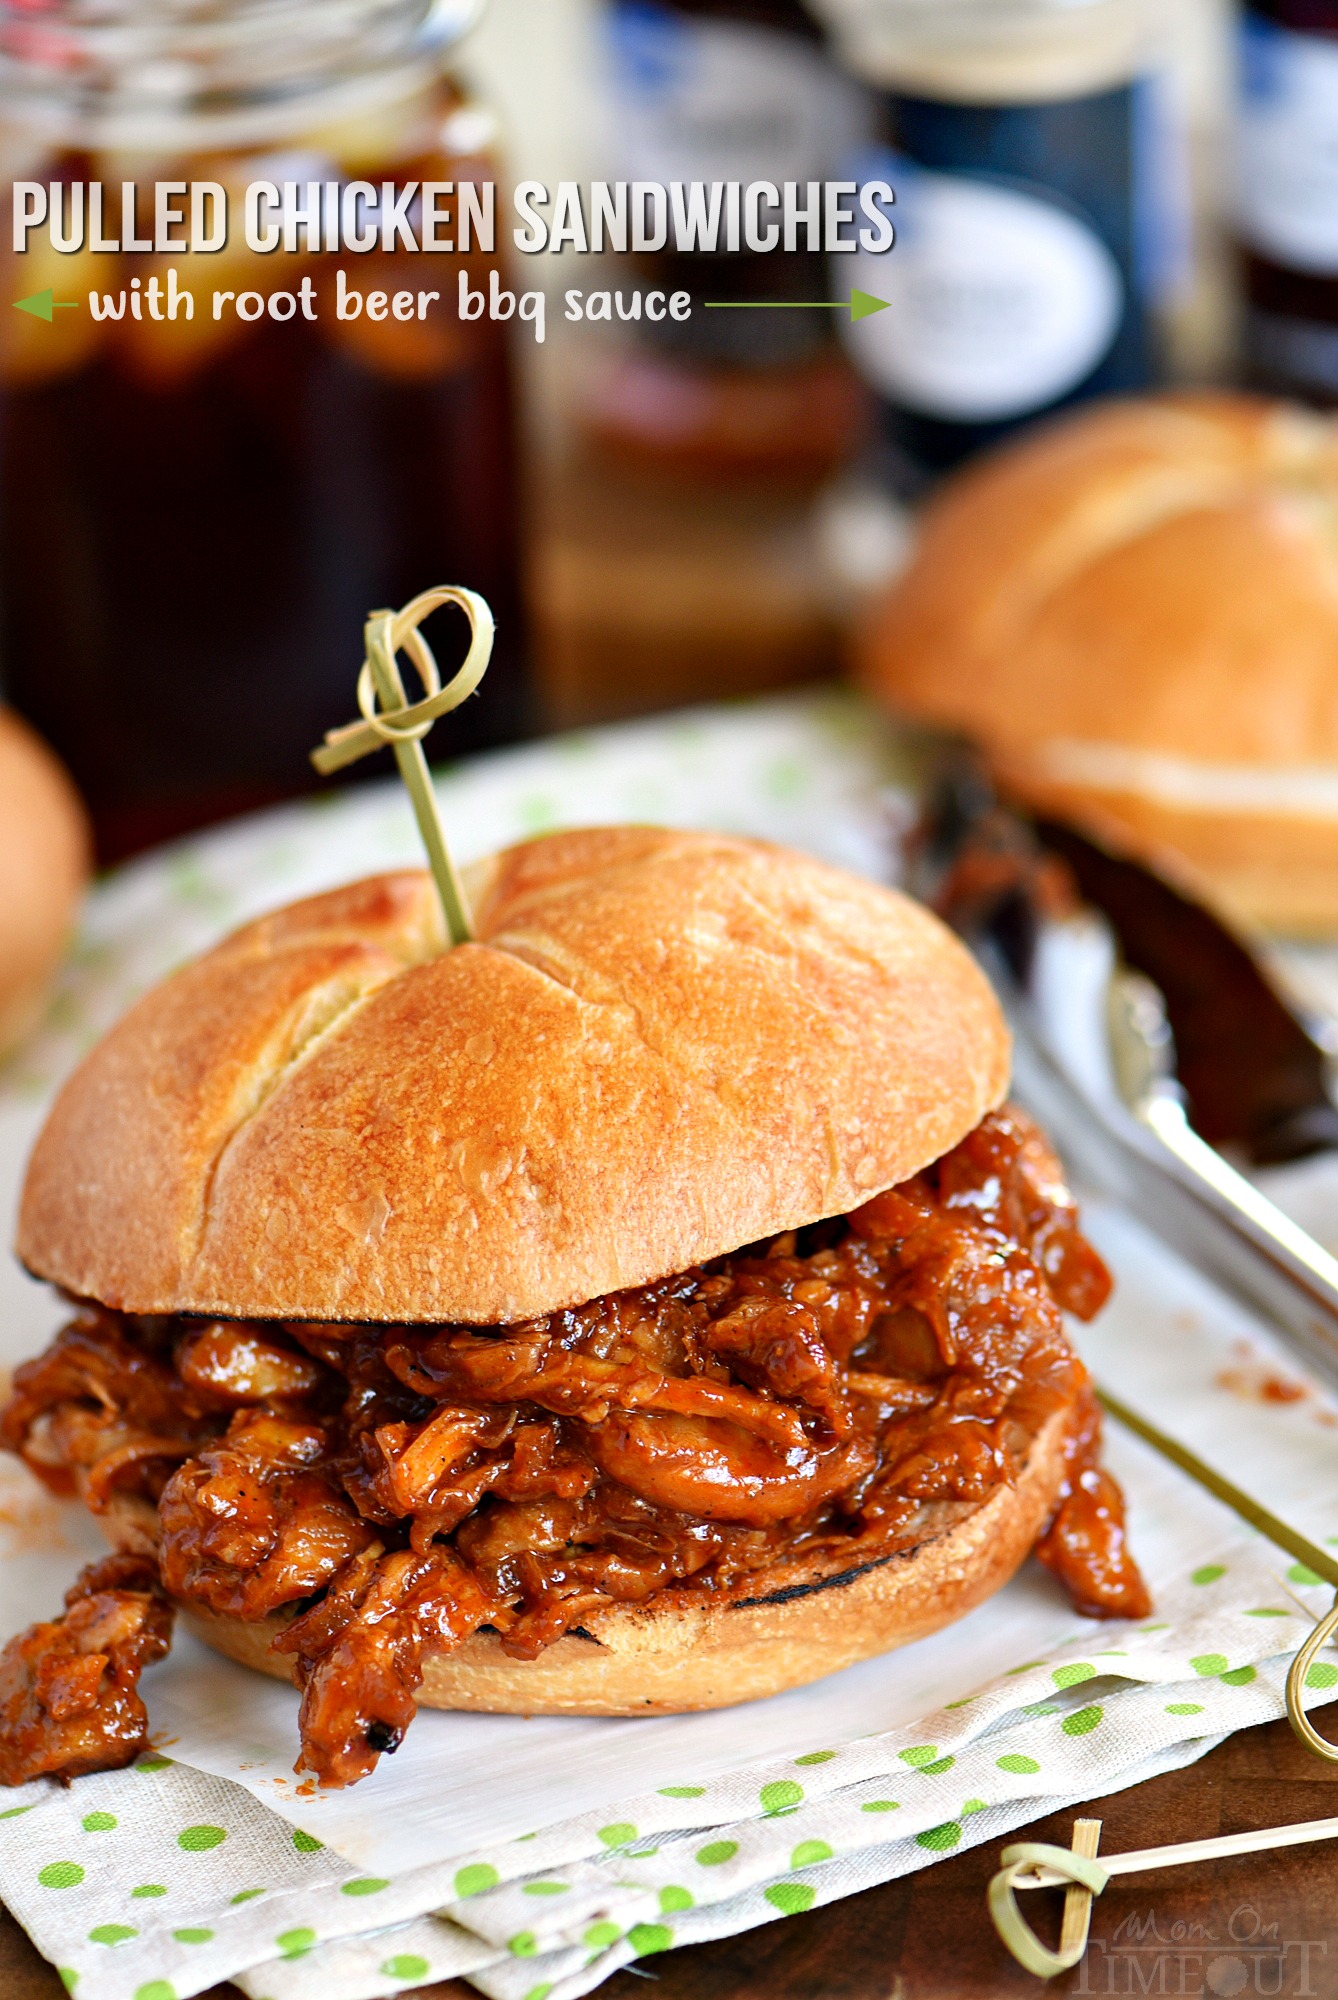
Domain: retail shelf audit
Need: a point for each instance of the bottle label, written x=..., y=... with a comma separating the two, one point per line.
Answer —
x=999, y=301
x=1287, y=150
x=694, y=98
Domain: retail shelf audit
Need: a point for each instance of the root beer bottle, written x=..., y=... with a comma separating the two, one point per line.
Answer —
x=1287, y=195
x=1035, y=213
x=198, y=512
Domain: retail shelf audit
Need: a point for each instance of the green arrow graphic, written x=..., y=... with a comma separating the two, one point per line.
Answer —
x=860, y=305
x=42, y=305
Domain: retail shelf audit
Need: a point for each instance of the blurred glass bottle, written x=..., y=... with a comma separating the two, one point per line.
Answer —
x=198, y=514
x=1287, y=194
x=677, y=553
x=1038, y=213
x=726, y=90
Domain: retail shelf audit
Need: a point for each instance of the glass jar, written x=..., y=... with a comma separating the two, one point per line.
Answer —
x=200, y=512
x=1037, y=199
x=1286, y=196
x=726, y=90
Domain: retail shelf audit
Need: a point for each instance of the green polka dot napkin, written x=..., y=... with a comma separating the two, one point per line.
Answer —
x=534, y=1858
x=152, y=1883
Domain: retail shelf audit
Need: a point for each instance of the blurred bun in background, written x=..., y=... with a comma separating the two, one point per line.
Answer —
x=44, y=863
x=1135, y=611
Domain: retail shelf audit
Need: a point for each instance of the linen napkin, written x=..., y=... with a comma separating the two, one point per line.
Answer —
x=151, y=1883
x=536, y=1857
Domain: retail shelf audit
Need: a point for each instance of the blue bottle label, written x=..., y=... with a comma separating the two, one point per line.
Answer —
x=1025, y=261
x=999, y=301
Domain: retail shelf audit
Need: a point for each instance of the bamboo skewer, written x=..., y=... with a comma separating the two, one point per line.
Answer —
x=388, y=717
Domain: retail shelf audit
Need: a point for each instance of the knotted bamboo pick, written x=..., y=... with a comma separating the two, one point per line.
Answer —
x=388, y=716
x=1037, y=1864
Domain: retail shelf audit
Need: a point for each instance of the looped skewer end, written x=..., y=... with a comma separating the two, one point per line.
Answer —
x=1034, y=1865
x=1297, y=1674
x=389, y=717
x=1045, y=1866
x=385, y=634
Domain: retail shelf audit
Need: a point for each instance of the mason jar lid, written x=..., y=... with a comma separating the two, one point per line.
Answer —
x=992, y=51
x=140, y=76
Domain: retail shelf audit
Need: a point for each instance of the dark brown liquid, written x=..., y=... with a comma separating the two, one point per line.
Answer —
x=791, y=16
x=1290, y=330
x=1290, y=319
x=1303, y=17
x=186, y=564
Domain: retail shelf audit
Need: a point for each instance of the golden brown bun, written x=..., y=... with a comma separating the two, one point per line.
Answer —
x=683, y=1652
x=1158, y=577
x=44, y=863
x=663, y=1046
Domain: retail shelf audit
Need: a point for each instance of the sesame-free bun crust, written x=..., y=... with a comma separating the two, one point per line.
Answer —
x=662, y=1046
x=686, y=1652
x=1135, y=611
x=44, y=864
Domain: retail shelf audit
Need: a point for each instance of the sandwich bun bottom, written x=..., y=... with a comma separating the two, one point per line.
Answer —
x=1276, y=871
x=685, y=1652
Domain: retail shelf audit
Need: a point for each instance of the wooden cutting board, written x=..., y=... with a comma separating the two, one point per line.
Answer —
x=1263, y=1924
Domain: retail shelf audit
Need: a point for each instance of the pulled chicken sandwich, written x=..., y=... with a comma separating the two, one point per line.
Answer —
x=649, y=1306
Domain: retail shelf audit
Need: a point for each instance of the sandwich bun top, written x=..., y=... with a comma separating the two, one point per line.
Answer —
x=662, y=1046
x=1135, y=610
x=45, y=856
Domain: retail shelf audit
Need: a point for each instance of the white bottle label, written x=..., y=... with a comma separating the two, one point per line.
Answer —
x=999, y=302
x=721, y=100
x=1287, y=146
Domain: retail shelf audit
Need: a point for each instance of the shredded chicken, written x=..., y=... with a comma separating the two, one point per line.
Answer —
x=795, y=1409
x=69, y=1699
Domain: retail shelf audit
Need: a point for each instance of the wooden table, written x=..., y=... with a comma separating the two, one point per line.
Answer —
x=1263, y=1924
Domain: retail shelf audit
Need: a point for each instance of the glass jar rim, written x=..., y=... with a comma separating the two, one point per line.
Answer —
x=126, y=74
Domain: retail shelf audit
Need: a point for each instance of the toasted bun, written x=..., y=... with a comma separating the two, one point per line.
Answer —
x=44, y=863
x=683, y=1651
x=1136, y=611
x=663, y=1046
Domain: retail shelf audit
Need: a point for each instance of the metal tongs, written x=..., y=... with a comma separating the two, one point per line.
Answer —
x=991, y=872
x=1251, y=1073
